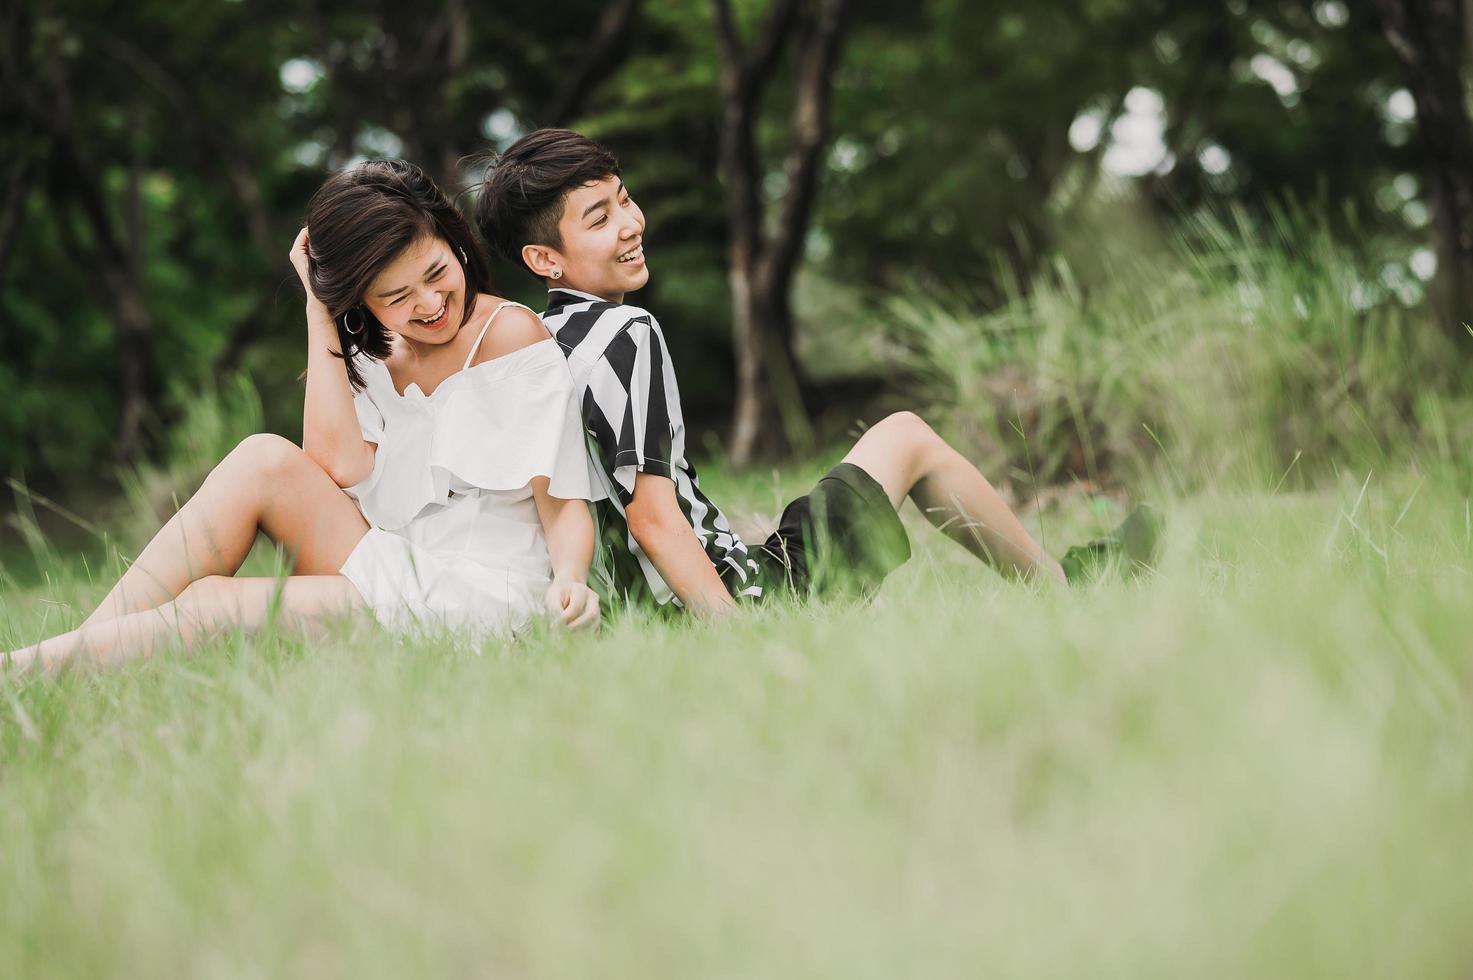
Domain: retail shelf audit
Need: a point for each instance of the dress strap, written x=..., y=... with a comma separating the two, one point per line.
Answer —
x=482, y=335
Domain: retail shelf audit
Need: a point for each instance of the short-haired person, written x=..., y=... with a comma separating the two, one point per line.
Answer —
x=555, y=202
x=442, y=480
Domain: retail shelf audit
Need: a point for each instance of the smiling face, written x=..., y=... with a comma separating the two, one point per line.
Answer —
x=421, y=294
x=602, y=232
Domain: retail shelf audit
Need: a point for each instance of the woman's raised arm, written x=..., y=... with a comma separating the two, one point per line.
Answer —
x=330, y=432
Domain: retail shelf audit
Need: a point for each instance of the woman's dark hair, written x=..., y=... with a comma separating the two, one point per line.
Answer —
x=358, y=222
x=523, y=189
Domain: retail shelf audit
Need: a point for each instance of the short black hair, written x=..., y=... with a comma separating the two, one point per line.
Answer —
x=523, y=190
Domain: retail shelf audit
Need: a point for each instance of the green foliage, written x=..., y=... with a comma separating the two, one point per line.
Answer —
x=1245, y=354
x=953, y=126
x=950, y=144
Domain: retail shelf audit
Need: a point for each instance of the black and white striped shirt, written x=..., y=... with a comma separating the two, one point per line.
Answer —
x=631, y=411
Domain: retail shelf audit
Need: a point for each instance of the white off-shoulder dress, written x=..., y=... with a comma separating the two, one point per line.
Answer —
x=454, y=539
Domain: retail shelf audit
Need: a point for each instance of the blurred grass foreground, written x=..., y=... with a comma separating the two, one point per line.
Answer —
x=1257, y=762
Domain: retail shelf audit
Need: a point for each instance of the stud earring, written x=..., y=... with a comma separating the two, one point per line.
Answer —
x=557, y=273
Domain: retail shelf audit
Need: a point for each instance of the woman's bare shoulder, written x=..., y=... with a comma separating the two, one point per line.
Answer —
x=514, y=328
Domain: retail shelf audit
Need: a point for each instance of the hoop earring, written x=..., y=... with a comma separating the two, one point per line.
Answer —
x=463, y=259
x=347, y=324
x=557, y=273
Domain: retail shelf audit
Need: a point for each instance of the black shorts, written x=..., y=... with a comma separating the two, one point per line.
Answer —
x=840, y=539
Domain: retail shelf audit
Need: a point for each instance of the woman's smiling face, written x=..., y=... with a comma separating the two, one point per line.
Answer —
x=421, y=294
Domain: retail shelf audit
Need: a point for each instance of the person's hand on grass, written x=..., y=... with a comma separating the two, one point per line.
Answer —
x=572, y=604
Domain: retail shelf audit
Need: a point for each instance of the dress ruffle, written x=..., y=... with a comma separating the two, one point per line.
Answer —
x=493, y=426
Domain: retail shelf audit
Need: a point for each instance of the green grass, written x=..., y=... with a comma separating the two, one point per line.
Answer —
x=1246, y=353
x=1259, y=762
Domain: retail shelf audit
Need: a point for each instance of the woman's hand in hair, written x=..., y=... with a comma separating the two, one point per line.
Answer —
x=331, y=434
x=299, y=262
x=320, y=324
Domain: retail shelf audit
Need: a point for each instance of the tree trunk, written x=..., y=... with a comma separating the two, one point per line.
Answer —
x=769, y=387
x=247, y=330
x=457, y=42
x=748, y=418
x=598, y=58
x=135, y=363
x=13, y=210
x=433, y=48
x=1428, y=36
x=121, y=289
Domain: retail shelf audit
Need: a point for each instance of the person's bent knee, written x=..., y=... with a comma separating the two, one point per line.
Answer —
x=208, y=602
x=205, y=593
x=922, y=445
x=269, y=452
x=268, y=457
x=907, y=425
x=911, y=430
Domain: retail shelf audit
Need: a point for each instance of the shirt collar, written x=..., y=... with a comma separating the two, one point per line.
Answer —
x=561, y=296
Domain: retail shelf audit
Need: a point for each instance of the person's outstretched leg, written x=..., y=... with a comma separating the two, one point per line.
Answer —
x=202, y=608
x=266, y=483
x=908, y=459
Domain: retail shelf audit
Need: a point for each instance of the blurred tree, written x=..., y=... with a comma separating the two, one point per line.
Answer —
x=599, y=58
x=44, y=81
x=156, y=163
x=157, y=157
x=765, y=254
x=952, y=131
x=660, y=113
x=1430, y=39
x=1267, y=99
x=965, y=132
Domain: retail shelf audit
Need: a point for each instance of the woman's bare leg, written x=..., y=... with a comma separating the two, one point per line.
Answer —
x=908, y=459
x=266, y=483
x=202, y=609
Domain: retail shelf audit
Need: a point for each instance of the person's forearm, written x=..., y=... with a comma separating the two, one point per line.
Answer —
x=330, y=431
x=657, y=522
x=683, y=564
x=568, y=527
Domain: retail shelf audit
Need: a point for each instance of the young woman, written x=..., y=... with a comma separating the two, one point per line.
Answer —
x=445, y=413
